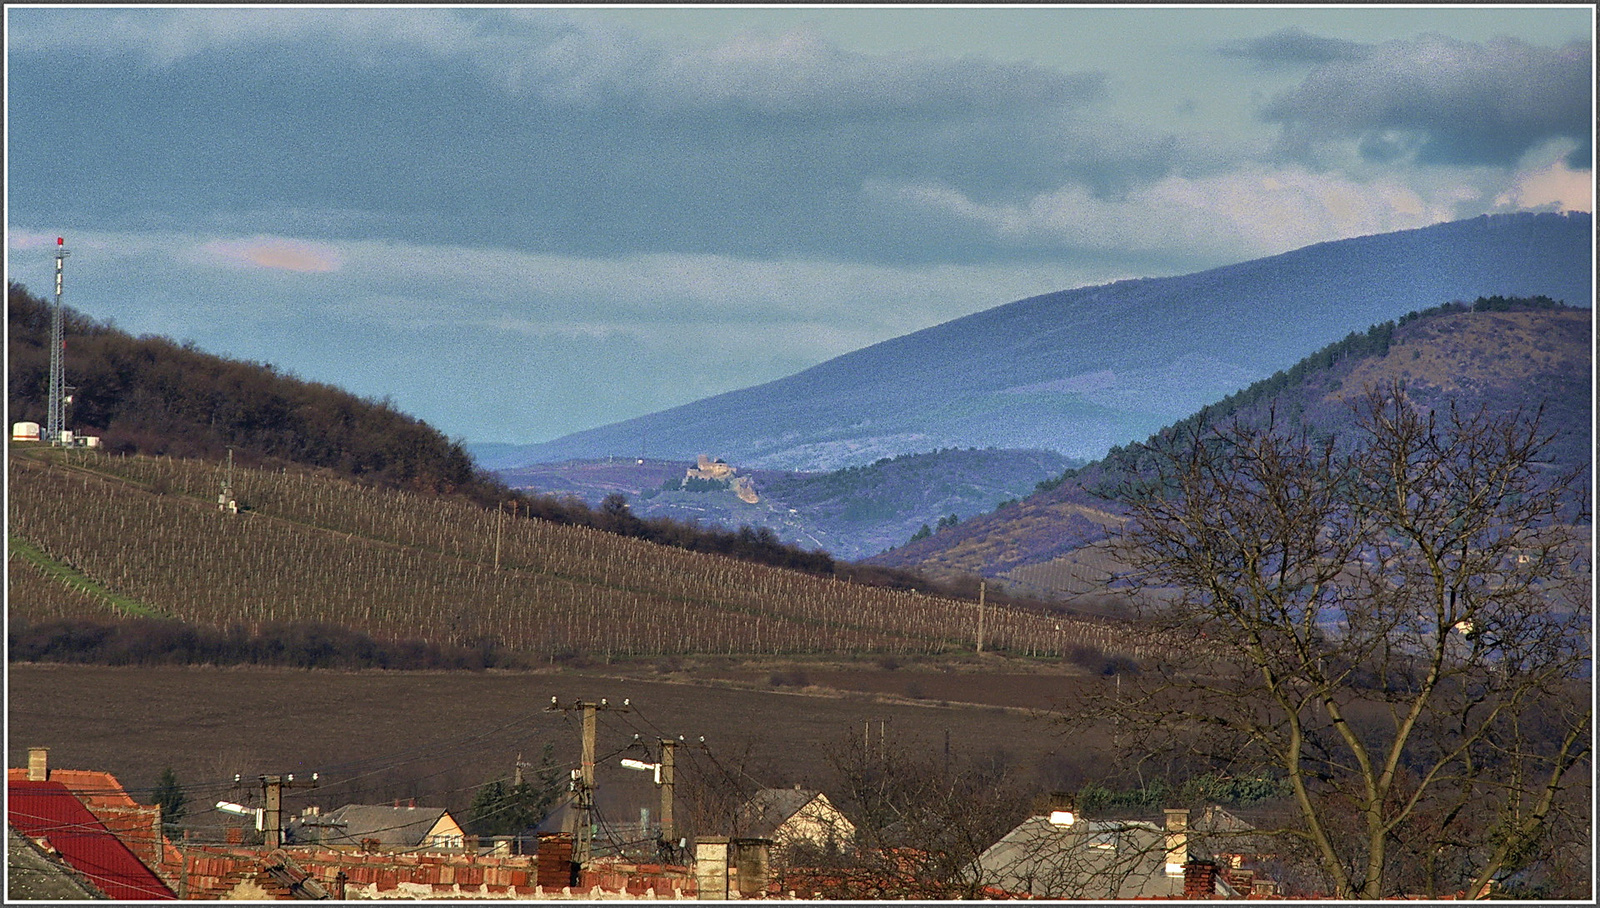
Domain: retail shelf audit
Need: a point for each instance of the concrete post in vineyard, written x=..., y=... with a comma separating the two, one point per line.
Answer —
x=981, y=589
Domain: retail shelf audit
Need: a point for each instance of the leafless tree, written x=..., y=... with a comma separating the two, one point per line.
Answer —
x=1396, y=624
x=922, y=816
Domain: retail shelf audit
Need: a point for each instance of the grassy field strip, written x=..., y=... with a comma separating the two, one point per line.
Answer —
x=72, y=577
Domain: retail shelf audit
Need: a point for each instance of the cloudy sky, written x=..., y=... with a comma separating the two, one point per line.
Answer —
x=519, y=223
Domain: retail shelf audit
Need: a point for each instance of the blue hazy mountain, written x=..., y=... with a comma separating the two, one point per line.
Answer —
x=1079, y=371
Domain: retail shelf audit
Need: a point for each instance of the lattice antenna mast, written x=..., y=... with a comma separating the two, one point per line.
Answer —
x=55, y=422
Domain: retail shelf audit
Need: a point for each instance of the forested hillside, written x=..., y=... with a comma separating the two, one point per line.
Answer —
x=1531, y=355
x=155, y=396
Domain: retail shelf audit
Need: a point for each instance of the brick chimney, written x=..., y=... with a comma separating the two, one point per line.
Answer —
x=1177, y=841
x=1199, y=880
x=38, y=764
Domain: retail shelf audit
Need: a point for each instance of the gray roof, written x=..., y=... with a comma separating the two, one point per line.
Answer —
x=770, y=808
x=33, y=875
x=1089, y=859
x=392, y=827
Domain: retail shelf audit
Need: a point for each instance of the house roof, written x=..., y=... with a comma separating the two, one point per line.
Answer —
x=127, y=819
x=392, y=827
x=97, y=789
x=50, y=811
x=770, y=808
x=32, y=874
x=1088, y=859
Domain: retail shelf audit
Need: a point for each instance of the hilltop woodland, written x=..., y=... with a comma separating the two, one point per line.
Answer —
x=1507, y=355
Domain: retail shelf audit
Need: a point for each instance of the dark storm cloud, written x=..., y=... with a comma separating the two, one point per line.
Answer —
x=541, y=132
x=1436, y=100
x=1294, y=46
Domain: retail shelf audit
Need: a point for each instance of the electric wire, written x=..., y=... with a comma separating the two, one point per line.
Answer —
x=618, y=723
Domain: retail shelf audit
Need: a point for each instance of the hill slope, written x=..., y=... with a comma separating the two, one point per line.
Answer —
x=100, y=538
x=1082, y=370
x=1516, y=357
x=150, y=395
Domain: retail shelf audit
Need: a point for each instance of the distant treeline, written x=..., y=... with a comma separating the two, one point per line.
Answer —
x=153, y=641
x=758, y=545
x=1208, y=788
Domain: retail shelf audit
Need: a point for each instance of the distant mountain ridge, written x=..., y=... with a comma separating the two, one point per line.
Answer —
x=1079, y=371
x=850, y=513
x=1507, y=356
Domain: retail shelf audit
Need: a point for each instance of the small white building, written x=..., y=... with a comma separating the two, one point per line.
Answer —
x=790, y=816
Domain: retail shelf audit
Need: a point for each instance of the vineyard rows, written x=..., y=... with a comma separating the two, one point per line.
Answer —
x=402, y=566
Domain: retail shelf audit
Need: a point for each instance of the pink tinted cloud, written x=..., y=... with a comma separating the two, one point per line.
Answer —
x=1553, y=187
x=23, y=240
x=274, y=253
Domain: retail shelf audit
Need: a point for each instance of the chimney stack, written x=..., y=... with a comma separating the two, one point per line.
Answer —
x=753, y=860
x=1061, y=807
x=1177, y=841
x=38, y=764
x=711, y=868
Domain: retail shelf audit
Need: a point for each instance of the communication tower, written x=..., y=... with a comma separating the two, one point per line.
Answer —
x=56, y=421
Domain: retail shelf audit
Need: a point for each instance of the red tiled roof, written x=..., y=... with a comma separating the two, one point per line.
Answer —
x=97, y=789
x=50, y=811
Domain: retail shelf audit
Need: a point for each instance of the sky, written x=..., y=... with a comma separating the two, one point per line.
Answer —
x=517, y=223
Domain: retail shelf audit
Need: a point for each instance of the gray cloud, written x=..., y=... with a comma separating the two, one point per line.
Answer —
x=1294, y=46
x=538, y=131
x=1435, y=100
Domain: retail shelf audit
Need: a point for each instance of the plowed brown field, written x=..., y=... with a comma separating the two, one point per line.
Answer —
x=375, y=736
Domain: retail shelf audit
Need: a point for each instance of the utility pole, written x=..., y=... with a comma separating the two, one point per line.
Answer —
x=669, y=835
x=665, y=776
x=583, y=784
x=272, y=788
